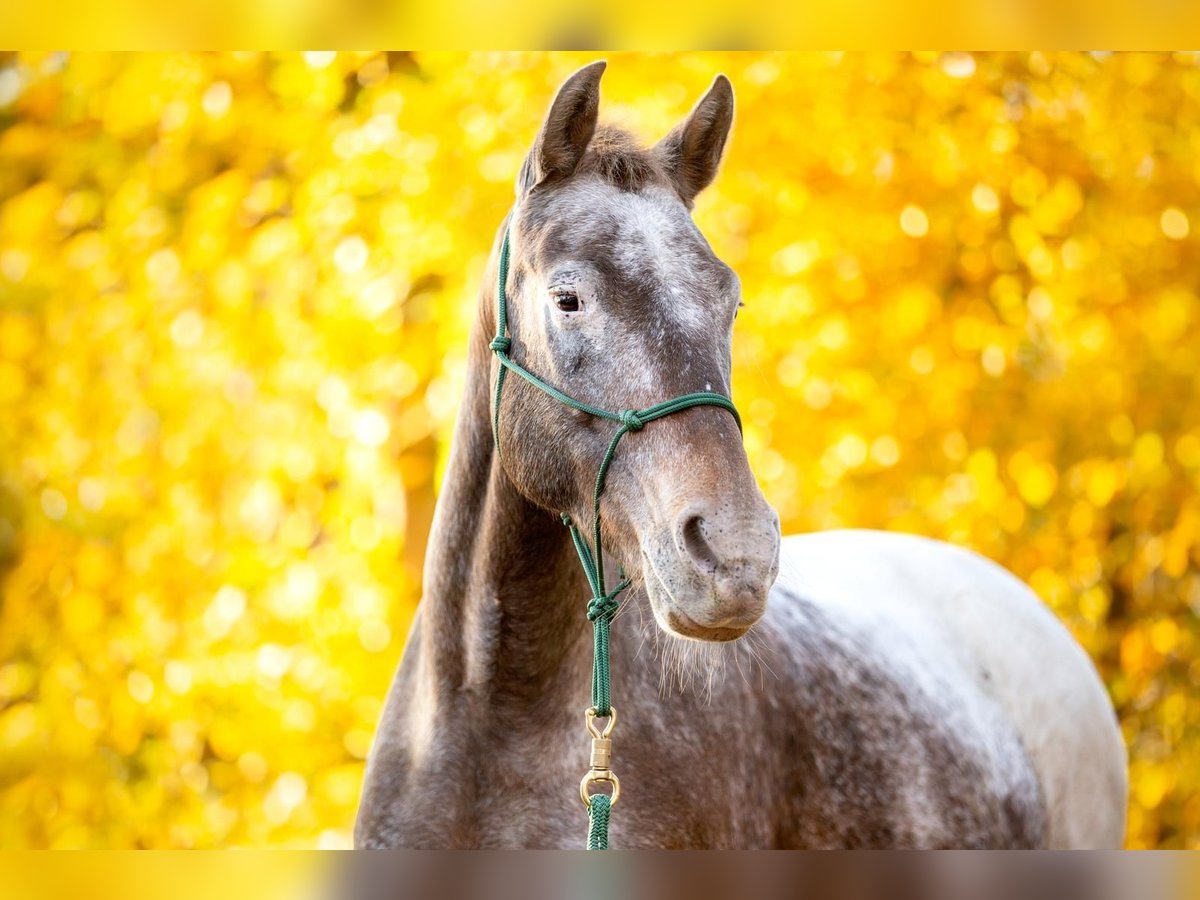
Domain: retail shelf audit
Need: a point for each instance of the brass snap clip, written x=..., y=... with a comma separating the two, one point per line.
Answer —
x=601, y=760
x=594, y=776
x=590, y=717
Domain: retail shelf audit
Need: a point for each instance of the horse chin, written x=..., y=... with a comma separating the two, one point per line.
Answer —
x=680, y=625
x=671, y=618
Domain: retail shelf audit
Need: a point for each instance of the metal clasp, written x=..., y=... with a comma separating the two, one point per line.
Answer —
x=590, y=716
x=594, y=776
x=601, y=761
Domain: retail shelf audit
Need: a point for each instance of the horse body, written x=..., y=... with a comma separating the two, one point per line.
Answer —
x=984, y=666
x=894, y=691
x=900, y=693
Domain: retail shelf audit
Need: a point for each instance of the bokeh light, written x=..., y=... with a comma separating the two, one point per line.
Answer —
x=235, y=291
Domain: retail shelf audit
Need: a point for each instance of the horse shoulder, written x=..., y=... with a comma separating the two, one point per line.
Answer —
x=942, y=614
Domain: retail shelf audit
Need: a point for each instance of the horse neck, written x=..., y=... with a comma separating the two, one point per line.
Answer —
x=503, y=605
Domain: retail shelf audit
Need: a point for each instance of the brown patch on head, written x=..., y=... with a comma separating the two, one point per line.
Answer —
x=615, y=156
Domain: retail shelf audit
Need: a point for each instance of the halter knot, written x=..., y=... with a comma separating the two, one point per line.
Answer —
x=604, y=607
x=500, y=344
x=631, y=420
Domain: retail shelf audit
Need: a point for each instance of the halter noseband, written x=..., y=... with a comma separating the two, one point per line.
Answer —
x=603, y=606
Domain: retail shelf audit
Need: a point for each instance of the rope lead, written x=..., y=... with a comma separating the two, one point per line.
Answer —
x=598, y=822
x=603, y=606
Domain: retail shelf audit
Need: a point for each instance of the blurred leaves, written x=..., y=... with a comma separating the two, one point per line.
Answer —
x=234, y=297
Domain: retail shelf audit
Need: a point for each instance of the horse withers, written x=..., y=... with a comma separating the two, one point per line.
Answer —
x=839, y=689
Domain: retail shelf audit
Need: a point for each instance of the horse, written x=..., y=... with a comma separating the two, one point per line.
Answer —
x=842, y=689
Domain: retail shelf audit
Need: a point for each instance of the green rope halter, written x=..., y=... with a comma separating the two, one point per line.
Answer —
x=604, y=604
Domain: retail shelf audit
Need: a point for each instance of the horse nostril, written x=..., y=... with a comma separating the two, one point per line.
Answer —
x=696, y=544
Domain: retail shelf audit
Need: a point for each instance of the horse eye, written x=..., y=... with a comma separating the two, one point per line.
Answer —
x=567, y=301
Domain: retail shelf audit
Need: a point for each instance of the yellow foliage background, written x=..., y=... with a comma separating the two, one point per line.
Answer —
x=234, y=296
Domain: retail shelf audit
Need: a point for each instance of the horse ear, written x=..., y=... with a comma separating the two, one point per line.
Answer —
x=692, y=151
x=568, y=127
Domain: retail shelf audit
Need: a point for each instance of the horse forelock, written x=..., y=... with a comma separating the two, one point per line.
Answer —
x=615, y=156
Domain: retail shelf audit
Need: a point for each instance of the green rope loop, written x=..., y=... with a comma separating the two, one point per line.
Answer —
x=598, y=829
x=603, y=606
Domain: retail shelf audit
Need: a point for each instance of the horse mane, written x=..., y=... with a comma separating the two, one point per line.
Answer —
x=615, y=156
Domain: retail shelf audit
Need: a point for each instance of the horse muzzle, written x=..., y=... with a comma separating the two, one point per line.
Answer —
x=709, y=575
